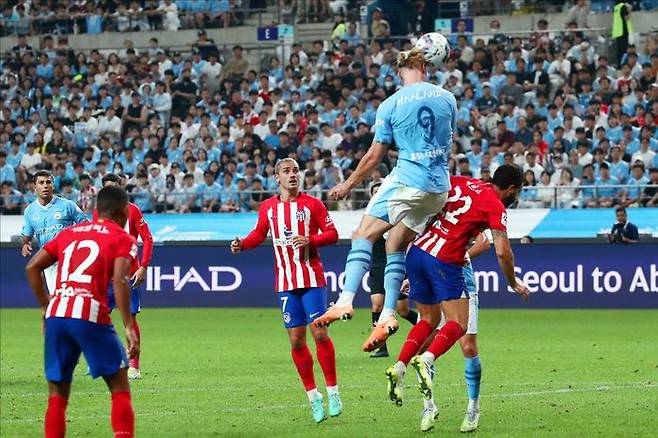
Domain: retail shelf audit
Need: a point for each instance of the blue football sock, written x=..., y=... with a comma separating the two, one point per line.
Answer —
x=358, y=263
x=473, y=374
x=393, y=276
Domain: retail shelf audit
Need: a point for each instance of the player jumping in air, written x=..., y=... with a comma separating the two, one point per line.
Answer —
x=435, y=265
x=468, y=344
x=420, y=118
x=45, y=217
x=376, y=285
x=294, y=220
x=136, y=226
x=77, y=316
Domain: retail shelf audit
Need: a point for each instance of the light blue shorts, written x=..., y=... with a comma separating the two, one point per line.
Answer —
x=395, y=202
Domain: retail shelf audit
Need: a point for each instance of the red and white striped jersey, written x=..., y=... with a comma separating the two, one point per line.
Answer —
x=85, y=255
x=295, y=268
x=472, y=206
x=136, y=226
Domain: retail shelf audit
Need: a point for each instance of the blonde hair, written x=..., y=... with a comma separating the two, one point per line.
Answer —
x=411, y=59
x=283, y=161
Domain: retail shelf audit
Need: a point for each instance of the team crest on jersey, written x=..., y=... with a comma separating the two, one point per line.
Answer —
x=286, y=317
x=301, y=215
x=58, y=215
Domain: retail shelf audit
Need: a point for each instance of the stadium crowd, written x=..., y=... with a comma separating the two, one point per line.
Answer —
x=202, y=131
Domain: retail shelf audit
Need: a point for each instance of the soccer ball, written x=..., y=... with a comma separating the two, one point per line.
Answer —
x=435, y=48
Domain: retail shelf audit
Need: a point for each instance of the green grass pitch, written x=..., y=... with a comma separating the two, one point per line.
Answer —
x=228, y=373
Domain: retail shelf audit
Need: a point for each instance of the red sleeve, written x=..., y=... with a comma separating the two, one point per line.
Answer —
x=52, y=249
x=145, y=234
x=258, y=234
x=94, y=215
x=496, y=214
x=321, y=217
x=126, y=247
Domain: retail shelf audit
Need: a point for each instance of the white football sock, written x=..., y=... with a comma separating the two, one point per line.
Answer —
x=313, y=394
x=345, y=298
x=474, y=405
x=332, y=390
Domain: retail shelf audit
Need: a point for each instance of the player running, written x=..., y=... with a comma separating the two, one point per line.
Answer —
x=435, y=264
x=45, y=217
x=294, y=220
x=420, y=118
x=136, y=226
x=77, y=316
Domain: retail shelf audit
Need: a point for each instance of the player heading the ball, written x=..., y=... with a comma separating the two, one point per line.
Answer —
x=299, y=224
x=421, y=119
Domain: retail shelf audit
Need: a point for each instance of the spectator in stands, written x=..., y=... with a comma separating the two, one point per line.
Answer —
x=623, y=231
x=379, y=27
x=7, y=172
x=578, y=14
x=236, y=67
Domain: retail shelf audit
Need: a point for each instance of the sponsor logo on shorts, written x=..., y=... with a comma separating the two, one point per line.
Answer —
x=313, y=315
x=286, y=317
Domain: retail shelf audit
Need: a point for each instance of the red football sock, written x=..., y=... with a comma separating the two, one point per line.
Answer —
x=134, y=363
x=327, y=358
x=304, y=363
x=415, y=340
x=123, y=416
x=446, y=338
x=56, y=417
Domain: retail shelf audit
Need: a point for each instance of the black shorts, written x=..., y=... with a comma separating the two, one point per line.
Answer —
x=376, y=282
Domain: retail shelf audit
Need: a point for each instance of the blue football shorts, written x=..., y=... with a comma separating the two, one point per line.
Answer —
x=299, y=307
x=135, y=299
x=432, y=280
x=66, y=338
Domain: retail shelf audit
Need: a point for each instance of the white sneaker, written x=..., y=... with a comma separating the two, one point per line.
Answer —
x=428, y=417
x=134, y=374
x=471, y=421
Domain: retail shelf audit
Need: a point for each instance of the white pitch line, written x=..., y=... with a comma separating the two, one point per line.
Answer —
x=137, y=390
x=356, y=402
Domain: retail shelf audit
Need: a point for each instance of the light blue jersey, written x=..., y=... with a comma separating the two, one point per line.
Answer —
x=420, y=119
x=45, y=222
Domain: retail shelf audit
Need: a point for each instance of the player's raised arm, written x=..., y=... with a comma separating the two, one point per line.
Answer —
x=257, y=235
x=372, y=158
x=33, y=270
x=363, y=170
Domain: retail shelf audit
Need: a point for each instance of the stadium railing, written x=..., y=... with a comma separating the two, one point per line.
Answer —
x=557, y=197
x=75, y=23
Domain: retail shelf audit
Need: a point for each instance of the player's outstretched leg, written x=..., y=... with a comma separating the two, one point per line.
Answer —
x=133, y=371
x=326, y=355
x=399, y=238
x=473, y=374
x=358, y=263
